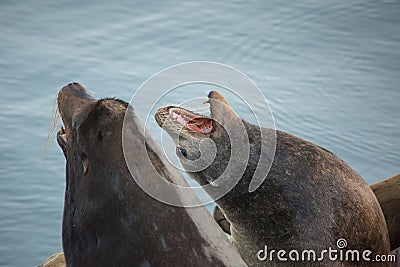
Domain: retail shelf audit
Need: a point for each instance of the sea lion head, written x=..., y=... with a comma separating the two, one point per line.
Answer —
x=205, y=144
x=88, y=124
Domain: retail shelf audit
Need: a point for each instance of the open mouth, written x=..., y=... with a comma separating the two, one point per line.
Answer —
x=192, y=121
x=62, y=139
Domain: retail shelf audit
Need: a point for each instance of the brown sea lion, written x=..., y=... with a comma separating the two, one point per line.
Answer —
x=108, y=219
x=310, y=199
x=388, y=194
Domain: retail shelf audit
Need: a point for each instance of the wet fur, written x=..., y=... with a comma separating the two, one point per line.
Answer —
x=388, y=194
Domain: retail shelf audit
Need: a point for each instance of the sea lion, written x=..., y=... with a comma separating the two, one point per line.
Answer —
x=388, y=194
x=310, y=199
x=108, y=219
x=225, y=225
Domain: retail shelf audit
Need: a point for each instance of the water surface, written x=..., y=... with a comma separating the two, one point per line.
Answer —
x=329, y=69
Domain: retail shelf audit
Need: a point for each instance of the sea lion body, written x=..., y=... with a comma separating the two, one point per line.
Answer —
x=388, y=194
x=108, y=219
x=308, y=201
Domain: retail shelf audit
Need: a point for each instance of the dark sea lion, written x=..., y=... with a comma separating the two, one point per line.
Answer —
x=308, y=201
x=108, y=219
x=388, y=194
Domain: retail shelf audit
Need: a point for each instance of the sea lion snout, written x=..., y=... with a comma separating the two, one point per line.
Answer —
x=71, y=98
x=75, y=89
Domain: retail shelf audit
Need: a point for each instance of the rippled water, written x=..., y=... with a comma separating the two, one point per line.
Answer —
x=329, y=69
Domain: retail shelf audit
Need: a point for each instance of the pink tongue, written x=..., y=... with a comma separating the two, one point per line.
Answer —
x=179, y=118
x=201, y=125
x=175, y=115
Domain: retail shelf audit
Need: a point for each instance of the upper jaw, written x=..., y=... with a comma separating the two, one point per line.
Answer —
x=188, y=120
x=180, y=120
x=191, y=123
x=70, y=99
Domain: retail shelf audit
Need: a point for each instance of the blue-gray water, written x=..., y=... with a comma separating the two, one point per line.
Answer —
x=330, y=70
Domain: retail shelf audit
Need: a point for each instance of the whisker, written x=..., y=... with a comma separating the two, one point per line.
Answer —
x=200, y=108
x=55, y=118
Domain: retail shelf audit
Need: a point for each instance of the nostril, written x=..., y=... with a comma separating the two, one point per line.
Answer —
x=74, y=85
x=77, y=90
x=70, y=87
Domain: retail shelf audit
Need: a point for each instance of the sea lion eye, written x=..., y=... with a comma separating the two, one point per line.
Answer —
x=181, y=152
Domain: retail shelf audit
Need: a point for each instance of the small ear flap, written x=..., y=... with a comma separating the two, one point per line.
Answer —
x=85, y=164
